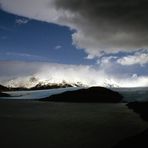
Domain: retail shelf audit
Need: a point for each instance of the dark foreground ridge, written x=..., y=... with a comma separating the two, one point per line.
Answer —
x=93, y=94
x=140, y=140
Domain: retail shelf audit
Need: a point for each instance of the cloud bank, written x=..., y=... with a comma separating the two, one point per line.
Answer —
x=20, y=74
x=137, y=58
x=101, y=26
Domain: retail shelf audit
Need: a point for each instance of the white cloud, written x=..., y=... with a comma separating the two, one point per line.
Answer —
x=19, y=74
x=58, y=47
x=106, y=60
x=34, y=9
x=21, y=21
x=24, y=55
x=137, y=58
x=101, y=26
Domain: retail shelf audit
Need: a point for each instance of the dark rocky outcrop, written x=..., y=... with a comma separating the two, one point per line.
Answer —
x=93, y=94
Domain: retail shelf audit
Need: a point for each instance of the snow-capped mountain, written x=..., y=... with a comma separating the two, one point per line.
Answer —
x=35, y=83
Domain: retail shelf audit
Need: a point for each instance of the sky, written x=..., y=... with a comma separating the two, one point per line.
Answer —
x=95, y=42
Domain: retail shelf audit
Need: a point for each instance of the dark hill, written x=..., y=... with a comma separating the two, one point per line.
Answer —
x=93, y=94
x=3, y=88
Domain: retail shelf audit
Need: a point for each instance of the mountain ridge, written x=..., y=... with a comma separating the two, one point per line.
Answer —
x=41, y=86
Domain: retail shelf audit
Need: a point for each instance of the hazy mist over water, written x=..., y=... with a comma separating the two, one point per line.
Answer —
x=133, y=94
x=129, y=94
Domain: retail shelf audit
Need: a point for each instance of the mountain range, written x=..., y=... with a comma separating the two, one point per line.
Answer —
x=41, y=86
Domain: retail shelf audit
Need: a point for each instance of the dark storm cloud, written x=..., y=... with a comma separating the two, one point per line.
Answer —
x=112, y=25
x=123, y=12
x=101, y=26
